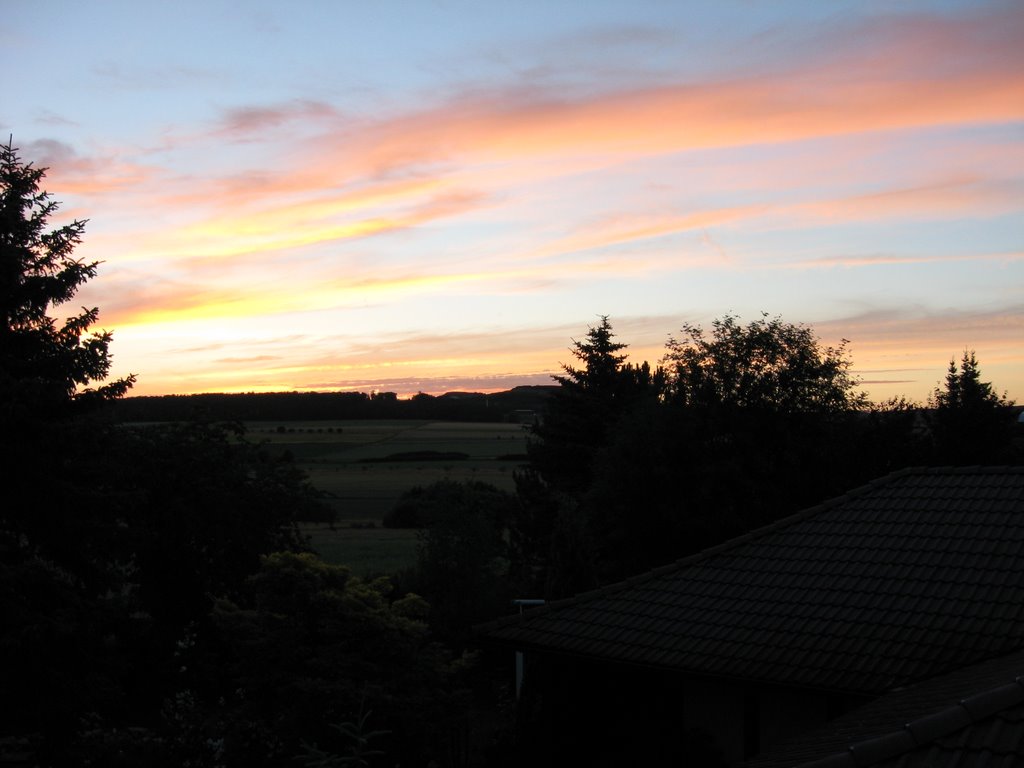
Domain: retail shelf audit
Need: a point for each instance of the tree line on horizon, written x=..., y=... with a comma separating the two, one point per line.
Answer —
x=161, y=606
x=324, y=406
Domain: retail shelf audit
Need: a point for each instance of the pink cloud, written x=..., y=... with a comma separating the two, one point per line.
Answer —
x=881, y=259
x=955, y=197
x=927, y=74
x=75, y=174
x=446, y=160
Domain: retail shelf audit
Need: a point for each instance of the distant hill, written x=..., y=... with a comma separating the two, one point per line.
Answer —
x=510, y=405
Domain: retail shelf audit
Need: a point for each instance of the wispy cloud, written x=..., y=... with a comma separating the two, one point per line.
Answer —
x=921, y=328
x=253, y=122
x=253, y=359
x=955, y=197
x=557, y=181
x=908, y=84
x=138, y=78
x=75, y=174
x=405, y=158
x=923, y=340
x=617, y=229
x=348, y=216
x=883, y=259
x=144, y=302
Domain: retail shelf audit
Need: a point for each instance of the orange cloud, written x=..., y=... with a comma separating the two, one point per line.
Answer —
x=295, y=225
x=620, y=229
x=406, y=363
x=966, y=197
x=175, y=303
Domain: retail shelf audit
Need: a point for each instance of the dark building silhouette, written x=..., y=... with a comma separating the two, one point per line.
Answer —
x=794, y=626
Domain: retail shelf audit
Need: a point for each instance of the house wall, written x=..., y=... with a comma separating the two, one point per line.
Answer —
x=717, y=708
x=785, y=713
x=584, y=712
x=574, y=712
x=745, y=718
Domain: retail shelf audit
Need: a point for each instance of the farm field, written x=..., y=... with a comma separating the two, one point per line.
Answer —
x=367, y=551
x=349, y=461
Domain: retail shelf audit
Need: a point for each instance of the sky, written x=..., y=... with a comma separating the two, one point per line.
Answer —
x=437, y=196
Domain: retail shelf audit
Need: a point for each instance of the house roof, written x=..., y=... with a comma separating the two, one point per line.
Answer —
x=971, y=717
x=905, y=578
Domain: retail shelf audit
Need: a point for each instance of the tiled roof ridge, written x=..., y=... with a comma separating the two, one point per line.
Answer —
x=747, y=537
x=926, y=729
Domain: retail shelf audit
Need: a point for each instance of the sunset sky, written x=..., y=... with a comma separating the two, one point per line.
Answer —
x=435, y=196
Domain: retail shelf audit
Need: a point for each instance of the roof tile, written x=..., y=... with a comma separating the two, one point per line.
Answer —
x=895, y=581
x=942, y=731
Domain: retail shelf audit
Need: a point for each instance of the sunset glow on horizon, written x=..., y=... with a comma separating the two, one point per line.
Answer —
x=441, y=196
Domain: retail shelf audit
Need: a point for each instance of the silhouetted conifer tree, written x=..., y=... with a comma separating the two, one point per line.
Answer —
x=45, y=364
x=587, y=405
x=553, y=552
x=59, y=583
x=971, y=422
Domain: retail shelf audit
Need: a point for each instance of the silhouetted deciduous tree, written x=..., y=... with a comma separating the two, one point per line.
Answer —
x=757, y=420
x=462, y=555
x=200, y=506
x=767, y=364
x=891, y=435
x=306, y=644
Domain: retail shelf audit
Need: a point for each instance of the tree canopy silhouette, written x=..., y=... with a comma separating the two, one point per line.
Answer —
x=634, y=467
x=113, y=541
x=58, y=569
x=50, y=368
x=549, y=535
x=589, y=401
x=971, y=422
x=767, y=364
x=46, y=364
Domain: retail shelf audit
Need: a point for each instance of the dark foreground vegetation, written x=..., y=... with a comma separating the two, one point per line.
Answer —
x=161, y=607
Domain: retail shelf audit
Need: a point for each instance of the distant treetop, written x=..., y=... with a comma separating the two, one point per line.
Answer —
x=766, y=364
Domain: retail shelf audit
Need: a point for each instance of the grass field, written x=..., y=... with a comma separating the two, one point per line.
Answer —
x=347, y=460
x=367, y=551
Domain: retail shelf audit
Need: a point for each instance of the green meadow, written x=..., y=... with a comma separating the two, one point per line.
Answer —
x=363, y=467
